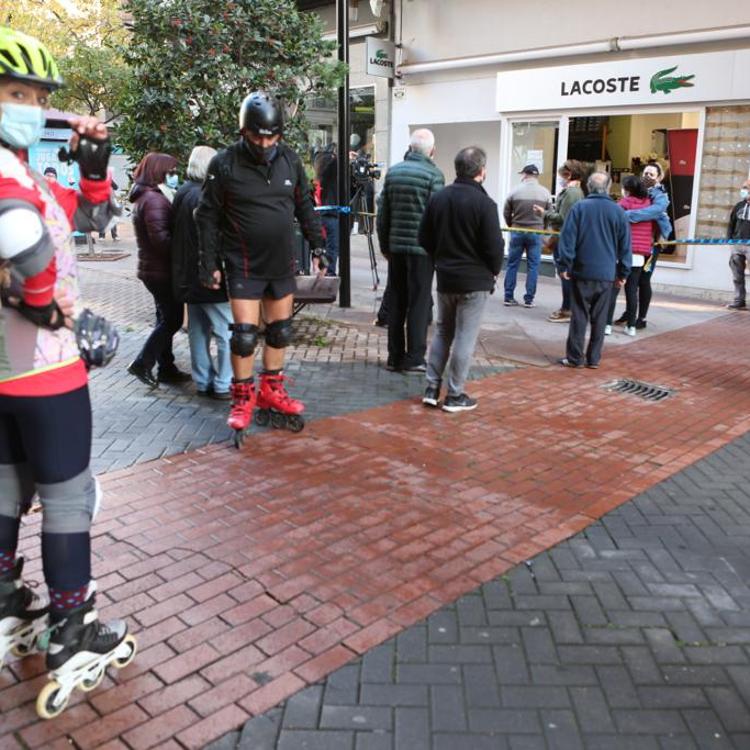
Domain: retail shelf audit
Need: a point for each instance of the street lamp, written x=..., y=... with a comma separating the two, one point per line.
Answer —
x=343, y=197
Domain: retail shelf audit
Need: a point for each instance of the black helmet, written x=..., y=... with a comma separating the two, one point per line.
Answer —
x=97, y=339
x=261, y=114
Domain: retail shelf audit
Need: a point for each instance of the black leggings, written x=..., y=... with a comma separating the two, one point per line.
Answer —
x=637, y=297
x=169, y=317
x=45, y=447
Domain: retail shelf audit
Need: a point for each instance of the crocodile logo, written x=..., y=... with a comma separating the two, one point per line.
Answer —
x=381, y=54
x=665, y=82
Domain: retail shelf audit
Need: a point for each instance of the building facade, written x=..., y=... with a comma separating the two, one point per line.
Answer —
x=615, y=85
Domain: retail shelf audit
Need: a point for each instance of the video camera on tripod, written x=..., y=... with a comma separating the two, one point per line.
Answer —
x=363, y=170
x=364, y=173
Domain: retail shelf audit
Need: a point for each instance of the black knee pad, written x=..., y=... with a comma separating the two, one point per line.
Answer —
x=244, y=339
x=280, y=333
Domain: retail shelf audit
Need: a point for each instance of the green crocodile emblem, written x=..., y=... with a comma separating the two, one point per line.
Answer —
x=380, y=54
x=665, y=82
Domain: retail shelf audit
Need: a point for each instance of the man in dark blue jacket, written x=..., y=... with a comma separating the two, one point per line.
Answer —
x=460, y=231
x=595, y=253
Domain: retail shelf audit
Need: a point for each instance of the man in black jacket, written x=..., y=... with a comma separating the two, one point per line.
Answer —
x=739, y=229
x=460, y=230
x=253, y=191
x=209, y=315
x=326, y=172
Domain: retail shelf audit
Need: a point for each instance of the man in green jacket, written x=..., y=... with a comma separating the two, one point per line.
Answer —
x=408, y=187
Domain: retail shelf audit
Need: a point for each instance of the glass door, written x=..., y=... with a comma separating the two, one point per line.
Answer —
x=535, y=143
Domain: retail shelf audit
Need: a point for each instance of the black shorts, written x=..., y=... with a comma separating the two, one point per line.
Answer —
x=240, y=287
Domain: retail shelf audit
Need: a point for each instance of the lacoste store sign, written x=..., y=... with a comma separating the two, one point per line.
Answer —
x=381, y=56
x=713, y=76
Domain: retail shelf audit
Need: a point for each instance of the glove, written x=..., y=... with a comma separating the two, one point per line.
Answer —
x=92, y=156
x=206, y=270
x=49, y=316
x=320, y=254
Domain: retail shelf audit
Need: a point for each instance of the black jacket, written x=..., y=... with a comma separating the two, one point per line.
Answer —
x=247, y=210
x=326, y=168
x=460, y=229
x=739, y=222
x=187, y=287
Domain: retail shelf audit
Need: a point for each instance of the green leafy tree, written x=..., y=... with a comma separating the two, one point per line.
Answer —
x=193, y=61
x=84, y=38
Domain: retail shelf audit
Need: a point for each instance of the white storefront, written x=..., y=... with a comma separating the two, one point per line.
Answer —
x=681, y=95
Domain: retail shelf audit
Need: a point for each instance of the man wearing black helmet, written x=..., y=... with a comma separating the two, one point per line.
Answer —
x=253, y=191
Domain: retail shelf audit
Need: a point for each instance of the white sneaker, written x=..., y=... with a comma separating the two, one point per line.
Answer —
x=630, y=330
x=607, y=330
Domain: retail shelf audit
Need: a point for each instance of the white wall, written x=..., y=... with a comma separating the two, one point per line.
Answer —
x=450, y=139
x=436, y=29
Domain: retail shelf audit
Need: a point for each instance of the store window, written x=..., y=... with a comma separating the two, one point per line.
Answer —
x=623, y=144
x=535, y=143
x=323, y=117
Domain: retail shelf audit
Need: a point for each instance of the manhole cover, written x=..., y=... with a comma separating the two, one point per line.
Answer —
x=646, y=391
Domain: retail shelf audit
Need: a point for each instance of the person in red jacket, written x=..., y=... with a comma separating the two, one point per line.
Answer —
x=634, y=196
x=45, y=411
x=155, y=181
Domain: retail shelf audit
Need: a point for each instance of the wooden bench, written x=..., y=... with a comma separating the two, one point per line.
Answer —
x=315, y=290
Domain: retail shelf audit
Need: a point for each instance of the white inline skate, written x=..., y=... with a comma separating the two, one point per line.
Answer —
x=79, y=650
x=23, y=615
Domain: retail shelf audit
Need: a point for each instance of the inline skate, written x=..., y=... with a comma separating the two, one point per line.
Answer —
x=23, y=615
x=241, y=411
x=276, y=406
x=79, y=650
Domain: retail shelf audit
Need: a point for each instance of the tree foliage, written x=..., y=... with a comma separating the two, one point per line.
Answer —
x=193, y=61
x=85, y=38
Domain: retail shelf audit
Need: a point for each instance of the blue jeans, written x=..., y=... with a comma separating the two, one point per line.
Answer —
x=532, y=244
x=331, y=224
x=203, y=322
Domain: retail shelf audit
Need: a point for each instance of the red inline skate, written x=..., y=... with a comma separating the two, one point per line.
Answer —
x=276, y=406
x=241, y=411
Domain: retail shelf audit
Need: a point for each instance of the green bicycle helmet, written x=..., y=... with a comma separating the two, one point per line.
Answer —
x=23, y=58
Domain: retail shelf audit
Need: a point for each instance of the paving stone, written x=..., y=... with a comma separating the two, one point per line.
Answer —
x=356, y=718
x=448, y=709
x=261, y=732
x=302, y=710
x=412, y=729
x=315, y=740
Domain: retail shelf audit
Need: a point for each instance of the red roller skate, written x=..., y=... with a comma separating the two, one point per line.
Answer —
x=241, y=411
x=276, y=406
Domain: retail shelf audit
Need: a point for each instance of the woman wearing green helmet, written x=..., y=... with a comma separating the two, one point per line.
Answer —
x=45, y=411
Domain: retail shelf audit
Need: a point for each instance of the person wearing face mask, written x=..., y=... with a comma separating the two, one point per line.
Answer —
x=253, y=192
x=656, y=211
x=460, y=230
x=634, y=197
x=739, y=229
x=152, y=195
x=571, y=173
x=45, y=410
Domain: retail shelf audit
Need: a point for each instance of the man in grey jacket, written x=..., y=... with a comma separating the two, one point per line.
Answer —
x=519, y=212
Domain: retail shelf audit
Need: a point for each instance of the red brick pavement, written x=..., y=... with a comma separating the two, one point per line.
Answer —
x=249, y=575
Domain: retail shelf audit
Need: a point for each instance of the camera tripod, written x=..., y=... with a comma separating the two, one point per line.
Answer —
x=360, y=208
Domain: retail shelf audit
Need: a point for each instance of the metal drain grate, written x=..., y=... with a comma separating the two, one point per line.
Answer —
x=645, y=391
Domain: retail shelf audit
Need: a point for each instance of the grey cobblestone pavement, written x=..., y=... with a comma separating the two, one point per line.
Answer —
x=632, y=635
x=336, y=368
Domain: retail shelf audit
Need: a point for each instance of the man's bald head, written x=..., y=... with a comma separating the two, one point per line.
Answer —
x=599, y=182
x=422, y=141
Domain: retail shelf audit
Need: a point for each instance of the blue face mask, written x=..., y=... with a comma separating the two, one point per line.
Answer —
x=172, y=181
x=744, y=192
x=21, y=126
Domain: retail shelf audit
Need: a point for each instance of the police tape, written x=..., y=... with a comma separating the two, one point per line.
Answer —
x=553, y=233
x=343, y=210
x=661, y=243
